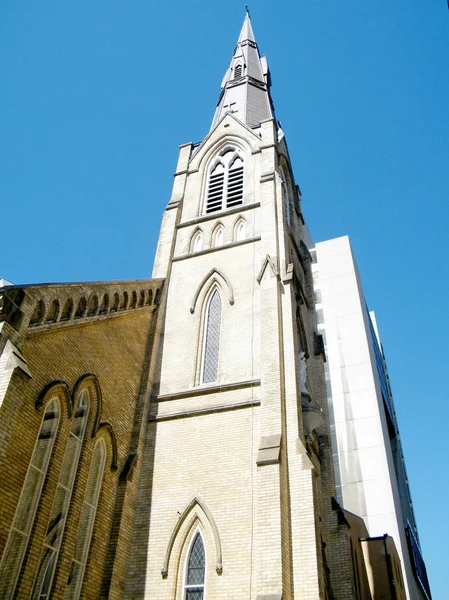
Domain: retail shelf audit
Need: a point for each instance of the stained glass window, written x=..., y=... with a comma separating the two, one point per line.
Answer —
x=87, y=518
x=61, y=503
x=196, y=568
x=212, y=338
x=29, y=499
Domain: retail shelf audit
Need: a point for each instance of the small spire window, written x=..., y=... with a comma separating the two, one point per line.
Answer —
x=196, y=570
x=225, y=187
x=238, y=71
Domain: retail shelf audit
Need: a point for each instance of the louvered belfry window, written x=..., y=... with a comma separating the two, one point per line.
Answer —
x=212, y=338
x=225, y=188
x=196, y=568
x=238, y=71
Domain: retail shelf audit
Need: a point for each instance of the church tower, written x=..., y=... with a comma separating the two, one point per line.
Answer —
x=235, y=496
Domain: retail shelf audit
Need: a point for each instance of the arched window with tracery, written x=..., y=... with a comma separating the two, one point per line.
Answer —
x=195, y=570
x=87, y=519
x=225, y=184
x=61, y=502
x=29, y=500
x=211, y=347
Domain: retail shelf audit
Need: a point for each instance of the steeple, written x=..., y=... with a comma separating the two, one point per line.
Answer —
x=246, y=84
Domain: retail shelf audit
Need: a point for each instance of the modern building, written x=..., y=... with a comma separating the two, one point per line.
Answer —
x=371, y=479
x=169, y=438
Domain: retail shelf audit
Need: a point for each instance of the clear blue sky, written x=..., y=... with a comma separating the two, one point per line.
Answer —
x=95, y=98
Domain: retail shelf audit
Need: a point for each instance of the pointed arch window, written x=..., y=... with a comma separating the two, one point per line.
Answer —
x=195, y=570
x=61, y=503
x=83, y=537
x=211, y=338
x=29, y=500
x=238, y=71
x=218, y=237
x=225, y=186
x=197, y=241
x=240, y=231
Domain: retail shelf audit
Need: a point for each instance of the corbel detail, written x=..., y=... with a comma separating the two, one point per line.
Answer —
x=269, y=450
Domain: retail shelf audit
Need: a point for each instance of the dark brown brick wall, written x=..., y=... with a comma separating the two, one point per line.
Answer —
x=115, y=351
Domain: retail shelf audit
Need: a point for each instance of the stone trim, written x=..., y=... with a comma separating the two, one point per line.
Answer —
x=224, y=213
x=268, y=261
x=211, y=389
x=218, y=552
x=203, y=283
x=218, y=408
x=216, y=248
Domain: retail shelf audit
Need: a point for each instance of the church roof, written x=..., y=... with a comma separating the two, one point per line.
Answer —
x=246, y=84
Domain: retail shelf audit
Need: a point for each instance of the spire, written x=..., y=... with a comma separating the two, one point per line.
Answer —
x=245, y=89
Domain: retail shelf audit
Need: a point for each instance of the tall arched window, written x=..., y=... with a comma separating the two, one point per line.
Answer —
x=87, y=519
x=195, y=570
x=29, y=500
x=225, y=186
x=212, y=327
x=238, y=71
x=61, y=503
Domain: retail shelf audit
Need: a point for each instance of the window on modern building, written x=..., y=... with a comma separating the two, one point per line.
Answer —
x=313, y=255
x=29, y=500
x=240, y=231
x=197, y=242
x=218, y=237
x=318, y=298
x=211, y=338
x=238, y=71
x=225, y=186
x=83, y=537
x=61, y=503
x=196, y=570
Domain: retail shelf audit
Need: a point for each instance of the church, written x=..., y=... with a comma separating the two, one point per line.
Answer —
x=169, y=438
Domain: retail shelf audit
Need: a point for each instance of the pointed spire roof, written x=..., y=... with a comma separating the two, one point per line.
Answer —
x=246, y=84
